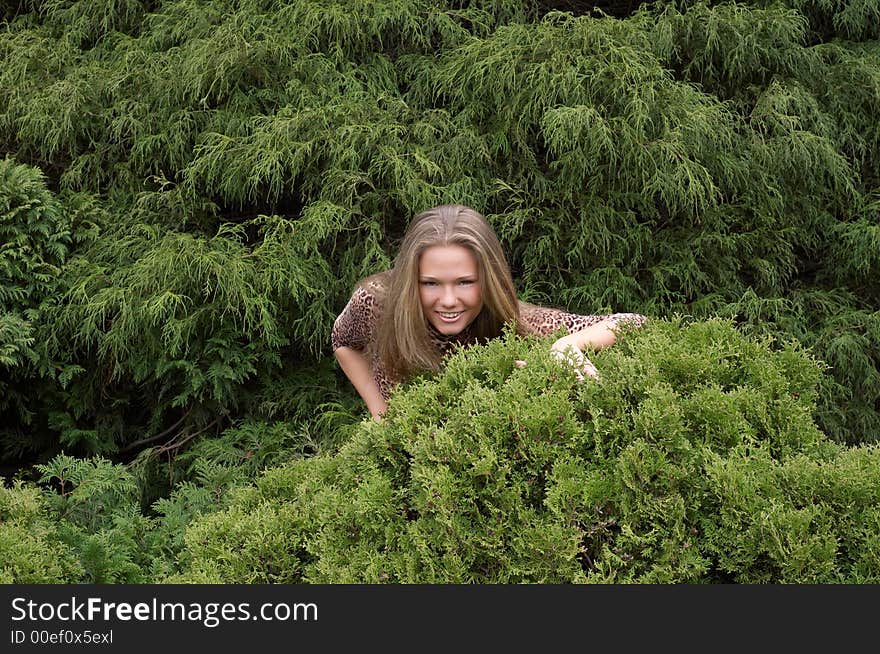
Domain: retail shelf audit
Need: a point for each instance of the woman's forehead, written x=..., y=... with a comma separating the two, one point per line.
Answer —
x=447, y=260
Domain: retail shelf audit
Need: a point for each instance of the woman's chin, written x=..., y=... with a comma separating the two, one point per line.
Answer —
x=447, y=330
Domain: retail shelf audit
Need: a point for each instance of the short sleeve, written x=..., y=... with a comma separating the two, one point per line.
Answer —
x=354, y=327
x=548, y=321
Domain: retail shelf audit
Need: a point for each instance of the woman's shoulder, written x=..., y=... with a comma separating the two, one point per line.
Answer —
x=355, y=325
x=372, y=290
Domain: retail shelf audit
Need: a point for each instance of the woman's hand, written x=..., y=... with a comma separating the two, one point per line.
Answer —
x=567, y=351
x=570, y=354
x=570, y=348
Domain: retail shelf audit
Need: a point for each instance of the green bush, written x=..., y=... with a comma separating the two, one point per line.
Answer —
x=92, y=521
x=35, y=235
x=695, y=458
x=807, y=519
x=31, y=551
x=94, y=505
x=709, y=159
x=174, y=249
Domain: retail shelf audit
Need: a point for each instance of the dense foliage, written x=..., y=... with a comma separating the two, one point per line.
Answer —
x=694, y=459
x=189, y=191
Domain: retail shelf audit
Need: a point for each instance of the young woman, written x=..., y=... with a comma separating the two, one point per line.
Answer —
x=450, y=284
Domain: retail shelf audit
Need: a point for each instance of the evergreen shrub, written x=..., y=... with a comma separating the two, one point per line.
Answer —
x=35, y=235
x=249, y=161
x=30, y=549
x=87, y=520
x=695, y=458
x=190, y=190
x=94, y=506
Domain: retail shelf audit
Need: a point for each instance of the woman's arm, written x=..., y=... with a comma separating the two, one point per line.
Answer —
x=595, y=337
x=356, y=366
x=584, y=332
x=592, y=336
x=350, y=338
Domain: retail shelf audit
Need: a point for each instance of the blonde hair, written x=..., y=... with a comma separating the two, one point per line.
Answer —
x=402, y=340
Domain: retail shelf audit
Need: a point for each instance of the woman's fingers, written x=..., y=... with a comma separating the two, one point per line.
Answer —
x=572, y=356
x=589, y=369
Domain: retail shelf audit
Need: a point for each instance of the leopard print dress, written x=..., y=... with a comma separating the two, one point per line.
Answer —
x=355, y=326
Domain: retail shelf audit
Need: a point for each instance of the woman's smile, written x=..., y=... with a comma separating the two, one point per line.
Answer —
x=449, y=288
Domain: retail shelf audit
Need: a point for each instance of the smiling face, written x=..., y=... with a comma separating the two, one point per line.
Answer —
x=449, y=288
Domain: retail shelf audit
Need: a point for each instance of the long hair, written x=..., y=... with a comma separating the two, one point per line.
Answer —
x=402, y=341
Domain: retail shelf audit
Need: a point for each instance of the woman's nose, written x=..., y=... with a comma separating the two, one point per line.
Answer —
x=448, y=296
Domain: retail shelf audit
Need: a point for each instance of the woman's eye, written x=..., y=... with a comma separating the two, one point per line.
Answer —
x=428, y=283
x=466, y=282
